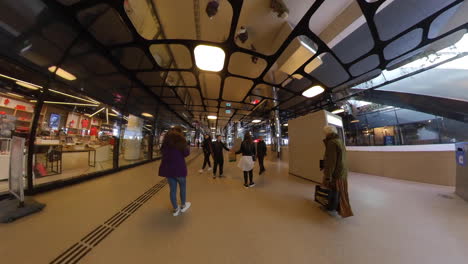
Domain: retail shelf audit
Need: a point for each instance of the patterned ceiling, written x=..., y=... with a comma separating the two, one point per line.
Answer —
x=142, y=50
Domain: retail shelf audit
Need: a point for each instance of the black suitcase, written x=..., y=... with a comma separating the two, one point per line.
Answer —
x=330, y=199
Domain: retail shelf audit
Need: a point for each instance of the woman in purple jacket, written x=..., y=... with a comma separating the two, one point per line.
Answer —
x=174, y=150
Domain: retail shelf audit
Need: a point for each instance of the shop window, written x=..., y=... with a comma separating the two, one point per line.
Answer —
x=75, y=137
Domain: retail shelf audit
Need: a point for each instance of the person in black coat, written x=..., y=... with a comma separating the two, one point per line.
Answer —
x=247, y=161
x=207, y=150
x=261, y=153
x=218, y=156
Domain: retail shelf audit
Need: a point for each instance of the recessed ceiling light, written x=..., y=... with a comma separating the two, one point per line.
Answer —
x=313, y=91
x=62, y=73
x=209, y=58
x=67, y=103
x=338, y=111
x=146, y=115
x=256, y=121
x=27, y=85
x=211, y=117
x=15, y=95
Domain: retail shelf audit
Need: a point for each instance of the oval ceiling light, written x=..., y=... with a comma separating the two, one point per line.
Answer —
x=256, y=121
x=28, y=85
x=313, y=91
x=209, y=58
x=212, y=117
x=146, y=115
x=285, y=124
x=62, y=73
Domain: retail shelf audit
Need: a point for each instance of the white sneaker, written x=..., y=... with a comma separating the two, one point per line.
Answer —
x=176, y=212
x=200, y=171
x=210, y=169
x=186, y=207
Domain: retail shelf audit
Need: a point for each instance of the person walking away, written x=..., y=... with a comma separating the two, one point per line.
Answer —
x=261, y=153
x=335, y=171
x=247, y=161
x=218, y=157
x=207, y=149
x=173, y=167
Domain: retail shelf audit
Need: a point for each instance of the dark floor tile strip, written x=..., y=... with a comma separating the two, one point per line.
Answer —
x=121, y=221
x=141, y=198
x=77, y=253
x=93, y=234
x=103, y=234
x=125, y=208
x=97, y=234
x=64, y=253
x=103, y=237
x=133, y=210
x=110, y=219
x=82, y=255
x=122, y=215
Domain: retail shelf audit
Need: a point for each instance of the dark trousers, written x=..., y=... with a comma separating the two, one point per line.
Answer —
x=260, y=162
x=206, y=161
x=248, y=175
x=220, y=163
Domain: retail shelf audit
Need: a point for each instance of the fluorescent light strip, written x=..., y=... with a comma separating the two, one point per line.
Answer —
x=18, y=80
x=27, y=85
x=107, y=115
x=62, y=73
x=15, y=95
x=115, y=111
x=97, y=112
x=72, y=96
x=338, y=111
x=66, y=103
x=112, y=114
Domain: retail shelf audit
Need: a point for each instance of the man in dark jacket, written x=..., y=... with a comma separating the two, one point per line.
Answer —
x=207, y=150
x=261, y=153
x=218, y=156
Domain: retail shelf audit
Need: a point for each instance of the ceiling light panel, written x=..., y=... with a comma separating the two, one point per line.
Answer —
x=209, y=58
x=313, y=91
x=62, y=73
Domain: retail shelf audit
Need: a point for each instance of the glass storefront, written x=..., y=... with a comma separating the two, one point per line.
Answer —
x=394, y=126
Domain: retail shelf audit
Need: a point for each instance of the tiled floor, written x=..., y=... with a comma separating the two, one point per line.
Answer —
x=274, y=222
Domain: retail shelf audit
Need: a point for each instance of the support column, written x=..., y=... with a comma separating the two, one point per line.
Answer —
x=277, y=123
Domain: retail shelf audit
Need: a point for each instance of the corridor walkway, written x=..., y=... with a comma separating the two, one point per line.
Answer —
x=274, y=222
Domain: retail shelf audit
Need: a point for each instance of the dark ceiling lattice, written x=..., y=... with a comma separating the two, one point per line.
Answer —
x=387, y=33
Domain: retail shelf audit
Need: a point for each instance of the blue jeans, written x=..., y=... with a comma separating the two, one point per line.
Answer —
x=182, y=181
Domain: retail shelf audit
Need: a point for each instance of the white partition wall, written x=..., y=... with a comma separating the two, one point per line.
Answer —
x=306, y=146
